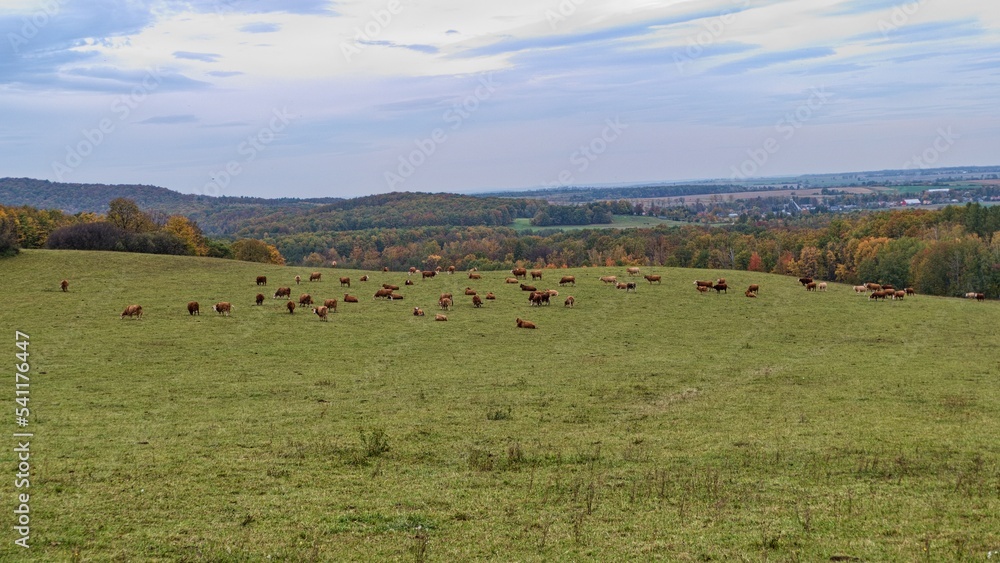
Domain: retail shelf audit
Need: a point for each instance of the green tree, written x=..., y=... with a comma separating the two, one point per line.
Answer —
x=253, y=250
x=125, y=214
x=8, y=234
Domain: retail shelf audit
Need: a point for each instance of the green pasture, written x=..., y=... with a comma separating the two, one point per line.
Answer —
x=656, y=425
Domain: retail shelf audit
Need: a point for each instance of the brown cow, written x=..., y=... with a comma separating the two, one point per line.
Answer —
x=470, y=291
x=194, y=308
x=702, y=288
x=536, y=275
x=537, y=298
x=418, y=312
x=412, y=270
x=305, y=299
x=409, y=282
x=440, y=317
x=754, y=289
x=653, y=278
x=632, y=271
x=477, y=301
x=704, y=283
x=876, y=295
x=291, y=307
x=980, y=297
x=298, y=280
x=261, y=280
x=749, y=293
x=260, y=298
x=524, y=324
x=720, y=288
x=490, y=296
x=350, y=298
x=283, y=292
x=510, y=280
x=609, y=279
x=451, y=269
x=382, y=293
x=898, y=294
x=64, y=285
x=330, y=304
x=805, y=281
x=445, y=303
x=395, y=297
x=475, y=276
x=520, y=273
x=888, y=286
x=427, y=274
x=320, y=312
x=720, y=280
x=630, y=286
x=385, y=269
x=132, y=311
x=873, y=286
x=910, y=291
x=567, y=280
x=223, y=308
x=811, y=286
x=390, y=286
x=569, y=302
x=315, y=276
x=345, y=281
x=525, y=287
x=444, y=295
x=363, y=278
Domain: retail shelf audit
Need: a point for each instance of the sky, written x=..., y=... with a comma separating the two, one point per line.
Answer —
x=313, y=98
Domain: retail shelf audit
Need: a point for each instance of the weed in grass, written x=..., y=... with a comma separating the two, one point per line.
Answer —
x=419, y=547
x=480, y=460
x=515, y=455
x=500, y=414
x=375, y=442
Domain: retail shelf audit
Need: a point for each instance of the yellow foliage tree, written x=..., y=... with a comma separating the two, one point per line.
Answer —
x=189, y=232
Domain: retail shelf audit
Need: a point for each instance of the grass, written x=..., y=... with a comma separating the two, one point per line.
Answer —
x=618, y=222
x=661, y=424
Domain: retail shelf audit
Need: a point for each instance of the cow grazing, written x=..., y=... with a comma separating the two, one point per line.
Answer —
x=980, y=297
x=382, y=293
x=260, y=298
x=704, y=283
x=363, y=278
x=888, y=286
x=412, y=270
x=490, y=296
x=418, y=312
x=330, y=304
x=132, y=311
x=321, y=312
x=702, y=288
x=223, y=308
x=720, y=288
x=409, y=282
x=385, y=269
x=520, y=273
x=475, y=276
x=194, y=308
x=873, y=286
x=553, y=293
x=525, y=287
x=536, y=275
x=427, y=274
x=510, y=280
x=390, y=286
x=524, y=324
x=567, y=280
x=445, y=295
x=451, y=269
x=477, y=301
x=898, y=294
x=876, y=295
x=305, y=299
x=298, y=280
x=440, y=317
x=395, y=297
x=970, y=295
x=805, y=281
x=261, y=280
x=315, y=276
x=345, y=281
x=537, y=298
x=754, y=289
x=653, y=278
x=291, y=307
x=350, y=298
x=749, y=293
x=821, y=286
x=910, y=291
x=609, y=279
x=632, y=271
x=811, y=286
x=860, y=289
x=64, y=285
x=470, y=291
x=630, y=286
x=445, y=303
x=283, y=292
x=569, y=302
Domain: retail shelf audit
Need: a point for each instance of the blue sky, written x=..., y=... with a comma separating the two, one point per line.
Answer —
x=313, y=98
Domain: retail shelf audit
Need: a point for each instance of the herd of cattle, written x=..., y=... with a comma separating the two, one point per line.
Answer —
x=536, y=297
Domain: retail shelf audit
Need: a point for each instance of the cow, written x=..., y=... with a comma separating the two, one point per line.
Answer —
x=536, y=298
x=749, y=293
x=569, y=302
x=609, y=279
x=298, y=280
x=910, y=291
x=390, y=286
x=632, y=271
x=536, y=275
x=291, y=307
x=873, y=286
x=704, y=283
x=630, y=286
x=720, y=288
x=451, y=269
x=470, y=291
x=567, y=280
x=64, y=285
x=553, y=293
x=720, y=280
x=382, y=293
x=898, y=294
x=330, y=304
x=260, y=298
x=878, y=294
x=520, y=273
x=345, y=281
x=364, y=278
x=412, y=270
x=702, y=288
x=440, y=317
x=524, y=324
x=860, y=289
x=132, y=311
x=409, y=282
x=811, y=286
x=510, y=280
x=283, y=292
x=444, y=295
x=315, y=276
x=980, y=297
x=475, y=276
x=821, y=286
x=418, y=312
x=970, y=295
x=385, y=269
x=321, y=312
x=754, y=289
x=805, y=281
x=305, y=299
x=427, y=274
x=223, y=308
x=194, y=308
x=445, y=303
x=395, y=297
x=525, y=287
x=350, y=298
x=653, y=278
x=477, y=301
x=261, y=280
x=888, y=286
x=490, y=296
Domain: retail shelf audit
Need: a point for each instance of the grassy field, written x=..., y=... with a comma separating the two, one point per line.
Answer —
x=655, y=425
x=618, y=222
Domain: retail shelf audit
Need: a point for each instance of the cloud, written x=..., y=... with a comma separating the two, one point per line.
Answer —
x=170, y=120
x=261, y=27
x=770, y=59
x=203, y=57
x=225, y=73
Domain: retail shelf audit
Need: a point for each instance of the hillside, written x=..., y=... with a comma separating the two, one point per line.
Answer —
x=655, y=425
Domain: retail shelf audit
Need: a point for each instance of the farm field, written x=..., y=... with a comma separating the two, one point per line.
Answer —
x=656, y=425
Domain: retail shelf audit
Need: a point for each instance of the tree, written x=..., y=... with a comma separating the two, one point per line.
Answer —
x=188, y=231
x=8, y=234
x=126, y=215
x=253, y=250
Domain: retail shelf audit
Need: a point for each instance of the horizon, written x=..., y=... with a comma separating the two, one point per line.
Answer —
x=322, y=99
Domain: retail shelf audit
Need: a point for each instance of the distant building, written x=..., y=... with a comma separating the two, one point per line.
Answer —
x=911, y=202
